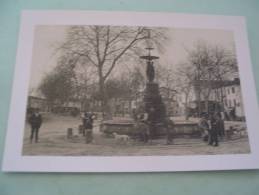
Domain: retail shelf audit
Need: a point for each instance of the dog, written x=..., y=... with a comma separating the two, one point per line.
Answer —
x=121, y=138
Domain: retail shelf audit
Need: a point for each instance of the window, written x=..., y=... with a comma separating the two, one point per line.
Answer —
x=233, y=89
x=224, y=91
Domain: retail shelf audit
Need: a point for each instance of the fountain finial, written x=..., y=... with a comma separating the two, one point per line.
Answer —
x=150, y=71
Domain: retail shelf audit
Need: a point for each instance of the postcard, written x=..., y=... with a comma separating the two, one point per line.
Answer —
x=118, y=91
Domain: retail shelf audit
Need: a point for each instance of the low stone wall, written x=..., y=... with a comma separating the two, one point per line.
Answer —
x=187, y=128
x=120, y=127
x=128, y=128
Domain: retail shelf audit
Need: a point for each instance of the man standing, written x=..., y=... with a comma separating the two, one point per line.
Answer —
x=221, y=127
x=169, y=126
x=88, y=125
x=204, y=127
x=143, y=129
x=85, y=122
x=35, y=121
x=215, y=126
x=151, y=122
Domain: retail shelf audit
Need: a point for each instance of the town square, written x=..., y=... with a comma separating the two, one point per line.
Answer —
x=134, y=91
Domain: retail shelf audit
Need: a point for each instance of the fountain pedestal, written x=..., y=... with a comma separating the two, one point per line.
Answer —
x=154, y=107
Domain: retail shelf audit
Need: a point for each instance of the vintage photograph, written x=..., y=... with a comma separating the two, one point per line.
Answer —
x=103, y=90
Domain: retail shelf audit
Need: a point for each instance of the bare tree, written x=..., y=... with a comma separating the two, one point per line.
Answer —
x=212, y=64
x=166, y=77
x=103, y=47
x=224, y=64
x=185, y=84
x=85, y=82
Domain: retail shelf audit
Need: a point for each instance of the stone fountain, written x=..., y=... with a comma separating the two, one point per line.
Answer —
x=154, y=105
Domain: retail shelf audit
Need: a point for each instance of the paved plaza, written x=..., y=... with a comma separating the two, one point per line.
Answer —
x=53, y=141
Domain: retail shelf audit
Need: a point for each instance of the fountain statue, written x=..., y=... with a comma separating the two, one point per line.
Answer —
x=154, y=105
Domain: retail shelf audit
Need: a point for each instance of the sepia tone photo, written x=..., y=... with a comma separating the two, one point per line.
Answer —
x=134, y=91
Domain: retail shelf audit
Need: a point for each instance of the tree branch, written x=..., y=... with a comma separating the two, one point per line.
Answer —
x=135, y=39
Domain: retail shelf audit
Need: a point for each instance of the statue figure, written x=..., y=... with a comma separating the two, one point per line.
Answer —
x=150, y=71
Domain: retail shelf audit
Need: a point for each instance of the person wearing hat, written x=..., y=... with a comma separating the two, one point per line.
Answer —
x=204, y=127
x=169, y=126
x=143, y=127
x=35, y=120
x=88, y=128
x=214, y=131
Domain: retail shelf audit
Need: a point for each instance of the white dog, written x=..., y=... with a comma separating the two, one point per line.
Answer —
x=121, y=138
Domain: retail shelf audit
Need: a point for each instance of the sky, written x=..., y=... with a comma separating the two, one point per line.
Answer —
x=48, y=38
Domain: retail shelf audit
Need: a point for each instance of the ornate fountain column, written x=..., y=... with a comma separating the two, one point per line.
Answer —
x=154, y=105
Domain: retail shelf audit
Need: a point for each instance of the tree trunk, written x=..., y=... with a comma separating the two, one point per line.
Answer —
x=199, y=104
x=186, y=111
x=222, y=99
x=104, y=100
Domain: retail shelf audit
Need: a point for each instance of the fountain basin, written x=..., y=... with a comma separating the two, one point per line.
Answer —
x=127, y=127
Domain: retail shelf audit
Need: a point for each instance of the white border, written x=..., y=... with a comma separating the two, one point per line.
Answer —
x=14, y=161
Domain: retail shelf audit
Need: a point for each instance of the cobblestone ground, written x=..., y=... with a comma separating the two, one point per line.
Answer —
x=53, y=141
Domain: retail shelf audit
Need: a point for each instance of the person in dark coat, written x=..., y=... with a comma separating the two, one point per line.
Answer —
x=151, y=118
x=88, y=127
x=214, y=131
x=221, y=127
x=169, y=127
x=35, y=121
x=204, y=127
x=143, y=129
x=85, y=122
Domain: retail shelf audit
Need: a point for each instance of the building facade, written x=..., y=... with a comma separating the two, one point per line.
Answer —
x=213, y=96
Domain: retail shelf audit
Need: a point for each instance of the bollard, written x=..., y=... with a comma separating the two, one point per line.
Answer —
x=69, y=133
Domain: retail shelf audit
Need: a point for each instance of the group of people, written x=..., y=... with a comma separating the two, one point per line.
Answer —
x=146, y=127
x=35, y=121
x=212, y=127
